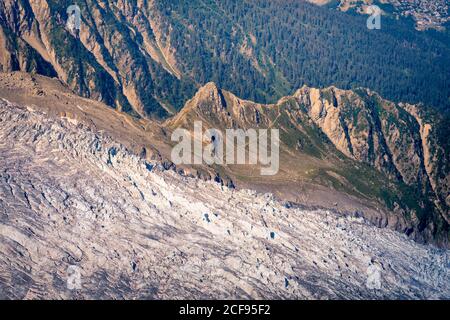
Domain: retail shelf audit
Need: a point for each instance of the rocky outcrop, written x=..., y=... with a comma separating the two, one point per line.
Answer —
x=391, y=137
x=367, y=128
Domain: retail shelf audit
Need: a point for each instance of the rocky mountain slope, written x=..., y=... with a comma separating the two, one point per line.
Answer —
x=352, y=141
x=148, y=57
x=340, y=150
x=109, y=59
x=72, y=197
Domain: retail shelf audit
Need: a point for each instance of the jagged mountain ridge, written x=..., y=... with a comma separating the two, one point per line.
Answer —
x=334, y=130
x=148, y=57
x=145, y=232
x=314, y=172
x=317, y=168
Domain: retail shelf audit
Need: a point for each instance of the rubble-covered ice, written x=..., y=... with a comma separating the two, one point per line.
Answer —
x=81, y=217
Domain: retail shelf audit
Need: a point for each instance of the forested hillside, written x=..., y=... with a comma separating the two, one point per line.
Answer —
x=148, y=57
x=290, y=43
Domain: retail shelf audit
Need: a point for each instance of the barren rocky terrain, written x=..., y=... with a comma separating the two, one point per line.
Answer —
x=70, y=196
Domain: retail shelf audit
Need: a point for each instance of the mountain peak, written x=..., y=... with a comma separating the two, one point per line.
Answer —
x=209, y=97
x=209, y=86
x=208, y=91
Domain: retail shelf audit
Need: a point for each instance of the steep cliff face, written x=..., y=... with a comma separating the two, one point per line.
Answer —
x=118, y=56
x=391, y=137
x=36, y=25
x=338, y=130
x=21, y=53
x=434, y=131
x=369, y=129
